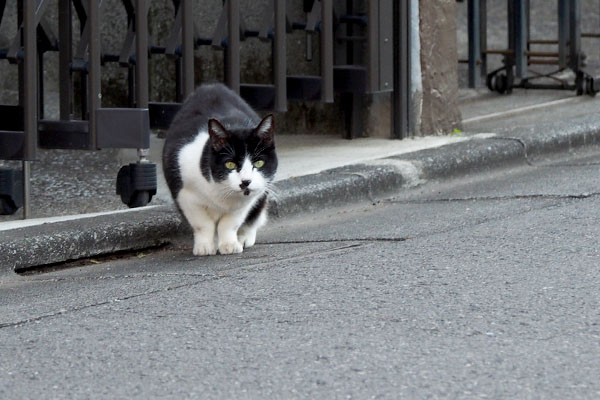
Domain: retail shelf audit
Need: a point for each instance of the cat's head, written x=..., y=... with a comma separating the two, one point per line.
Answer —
x=243, y=159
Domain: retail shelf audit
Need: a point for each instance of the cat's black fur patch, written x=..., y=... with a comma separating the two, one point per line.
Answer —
x=216, y=101
x=257, y=208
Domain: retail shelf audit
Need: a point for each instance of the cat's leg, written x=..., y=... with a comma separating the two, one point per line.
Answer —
x=201, y=222
x=247, y=232
x=227, y=229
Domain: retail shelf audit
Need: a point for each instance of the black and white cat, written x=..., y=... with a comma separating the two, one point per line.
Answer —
x=219, y=160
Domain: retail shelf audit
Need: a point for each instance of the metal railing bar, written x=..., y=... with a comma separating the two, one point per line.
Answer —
x=29, y=100
x=129, y=9
x=30, y=80
x=563, y=32
x=81, y=10
x=521, y=37
x=541, y=54
x=141, y=53
x=40, y=10
x=16, y=42
x=401, y=93
x=220, y=32
x=280, y=56
x=542, y=41
x=313, y=18
x=64, y=58
x=373, y=47
x=546, y=62
x=266, y=22
x=2, y=7
x=187, y=46
x=82, y=47
x=327, y=51
x=233, y=45
x=127, y=48
x=575, y=35
x=94, y=48
x=175, y=36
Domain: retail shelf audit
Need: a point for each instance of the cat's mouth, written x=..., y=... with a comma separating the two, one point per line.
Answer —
x=246, y=192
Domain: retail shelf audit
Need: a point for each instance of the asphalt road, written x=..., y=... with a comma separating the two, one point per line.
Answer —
x=486, y=287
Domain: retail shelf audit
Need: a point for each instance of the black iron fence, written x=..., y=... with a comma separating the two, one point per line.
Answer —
x=382, y=31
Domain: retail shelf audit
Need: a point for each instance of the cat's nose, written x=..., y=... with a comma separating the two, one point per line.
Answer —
x=245, y=184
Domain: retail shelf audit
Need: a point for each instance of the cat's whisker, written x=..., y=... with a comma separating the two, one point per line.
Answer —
x=272, y=191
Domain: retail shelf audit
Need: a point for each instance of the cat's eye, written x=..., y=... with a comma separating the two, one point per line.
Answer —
x=230, y=165
x=259, y=163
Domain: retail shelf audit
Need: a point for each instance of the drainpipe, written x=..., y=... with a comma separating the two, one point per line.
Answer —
x=416, y=84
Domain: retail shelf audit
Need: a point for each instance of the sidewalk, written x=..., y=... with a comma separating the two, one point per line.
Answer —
x=315, y=172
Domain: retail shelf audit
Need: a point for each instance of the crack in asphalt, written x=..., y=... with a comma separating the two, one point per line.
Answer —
x=363, y=239
x=259, y=266
x=498, y=198
x=588, y=164
x=87, y=306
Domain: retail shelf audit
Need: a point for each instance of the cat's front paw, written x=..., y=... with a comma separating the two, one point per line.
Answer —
x=204, y=249
x=230, y=247
x=247, y=239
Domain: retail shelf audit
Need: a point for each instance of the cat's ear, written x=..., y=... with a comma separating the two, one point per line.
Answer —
x=218, y=134
x=266, y=130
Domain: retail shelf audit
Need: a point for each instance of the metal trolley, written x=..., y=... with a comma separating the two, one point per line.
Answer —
x=519, y=55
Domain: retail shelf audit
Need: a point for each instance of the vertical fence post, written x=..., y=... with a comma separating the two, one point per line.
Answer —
x=574, y=35
x=483, y=37
x=187, y=46
x=474, y=22
x=327, y=51
x=30, y=81
x=279, y=58
x=94, y=72
x=373, y=46
x=141, y=53
x=30, y=102
x=401, y=93
x=64, y=57
x=233, y=45
x=520, y=25
x=563, y=33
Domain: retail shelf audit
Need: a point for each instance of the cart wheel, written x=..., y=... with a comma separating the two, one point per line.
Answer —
x=7, y=206
x=501, y=83
x=136, y=184
x=139, y=199
x=11, y=191
x=580, y=84
x=589, y=86
x=489, y=81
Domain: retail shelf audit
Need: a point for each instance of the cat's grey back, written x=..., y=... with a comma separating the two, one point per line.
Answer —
x=208, y=101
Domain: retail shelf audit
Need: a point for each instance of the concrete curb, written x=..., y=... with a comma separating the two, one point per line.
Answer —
x=69, y=240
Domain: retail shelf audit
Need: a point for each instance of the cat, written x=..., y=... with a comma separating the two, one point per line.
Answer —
x=219, y=161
